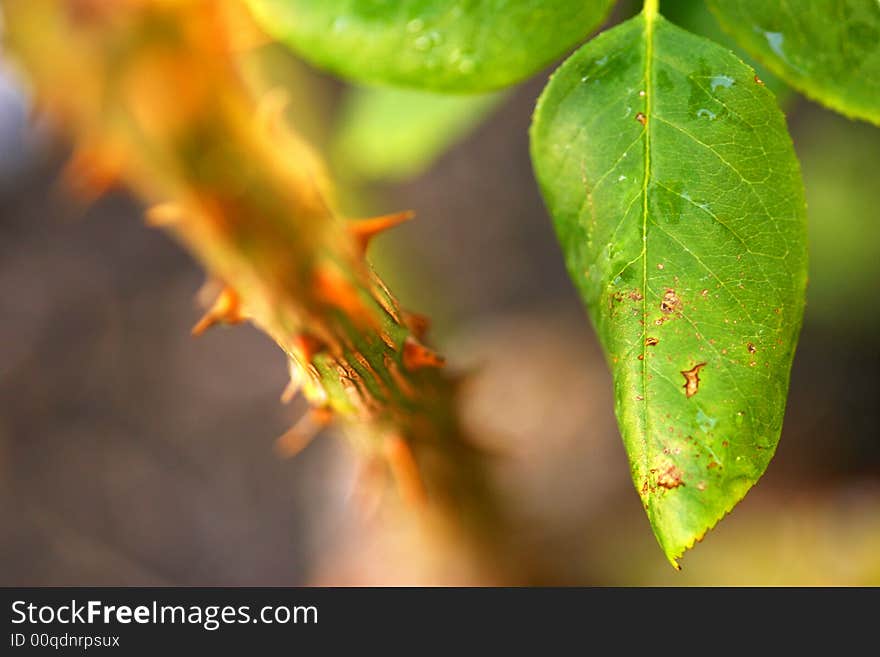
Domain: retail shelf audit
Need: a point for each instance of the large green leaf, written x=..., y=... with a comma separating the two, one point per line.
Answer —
x=678, y=201
x=387, y=133
x=828, y=49
x=443, y=45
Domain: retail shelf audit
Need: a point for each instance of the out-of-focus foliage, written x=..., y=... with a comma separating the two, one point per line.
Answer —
x=828, y=49
x=839, y=159
x=461, y=45
x=694, y=16
x=395, y=134
x=830, y=536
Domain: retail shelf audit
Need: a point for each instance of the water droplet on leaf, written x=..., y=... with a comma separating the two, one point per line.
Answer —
x=721, y=81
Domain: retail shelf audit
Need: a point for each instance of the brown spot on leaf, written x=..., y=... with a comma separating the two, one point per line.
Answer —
x=660, y=265
x=752, y=349
x=692, y=380
x=641, y=118
x=670, y=478
x=650, y=342
x=701, y=485
x=635, y=295
x=670, y=302
x=759, y=81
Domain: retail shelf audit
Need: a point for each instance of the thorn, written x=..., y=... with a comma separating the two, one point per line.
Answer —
x=417, y=323
x=334, y=289
x=225, y=309
x=364, y=230
x=308, y=346
x=405, y=471
x=416, y=356
x=399, y=379
x=301, y=434
x=90, y=172
x=163, y=215
x=294, y=384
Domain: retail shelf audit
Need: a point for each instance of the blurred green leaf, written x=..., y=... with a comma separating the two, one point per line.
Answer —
x=828, y=49
x=678, y=201
x=395, y=134
x=838, y=156
x=694, y=16
x=463, y=46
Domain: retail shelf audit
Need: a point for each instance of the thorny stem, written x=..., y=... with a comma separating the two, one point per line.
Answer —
x=149, y=92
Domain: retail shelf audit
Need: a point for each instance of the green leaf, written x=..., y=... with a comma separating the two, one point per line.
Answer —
x=828, y=49
x=395, y=134
x=466, y=45
x=694, y=16
x=678, y=201
x=844, y=264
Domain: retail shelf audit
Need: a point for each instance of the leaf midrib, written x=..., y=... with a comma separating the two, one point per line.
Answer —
x=649, y=13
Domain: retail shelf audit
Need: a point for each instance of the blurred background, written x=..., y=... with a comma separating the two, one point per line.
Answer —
x=132, y=454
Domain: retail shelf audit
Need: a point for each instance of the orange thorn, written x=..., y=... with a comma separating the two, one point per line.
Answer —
x=225, y=309
x=164, y=214
x=364, y=230
x=336, y=290
x=405, y=471
x=90, y=172
x=417, y=323
x=301, y=434
x=416, y=356
x=308, y=346
x=294, y=384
